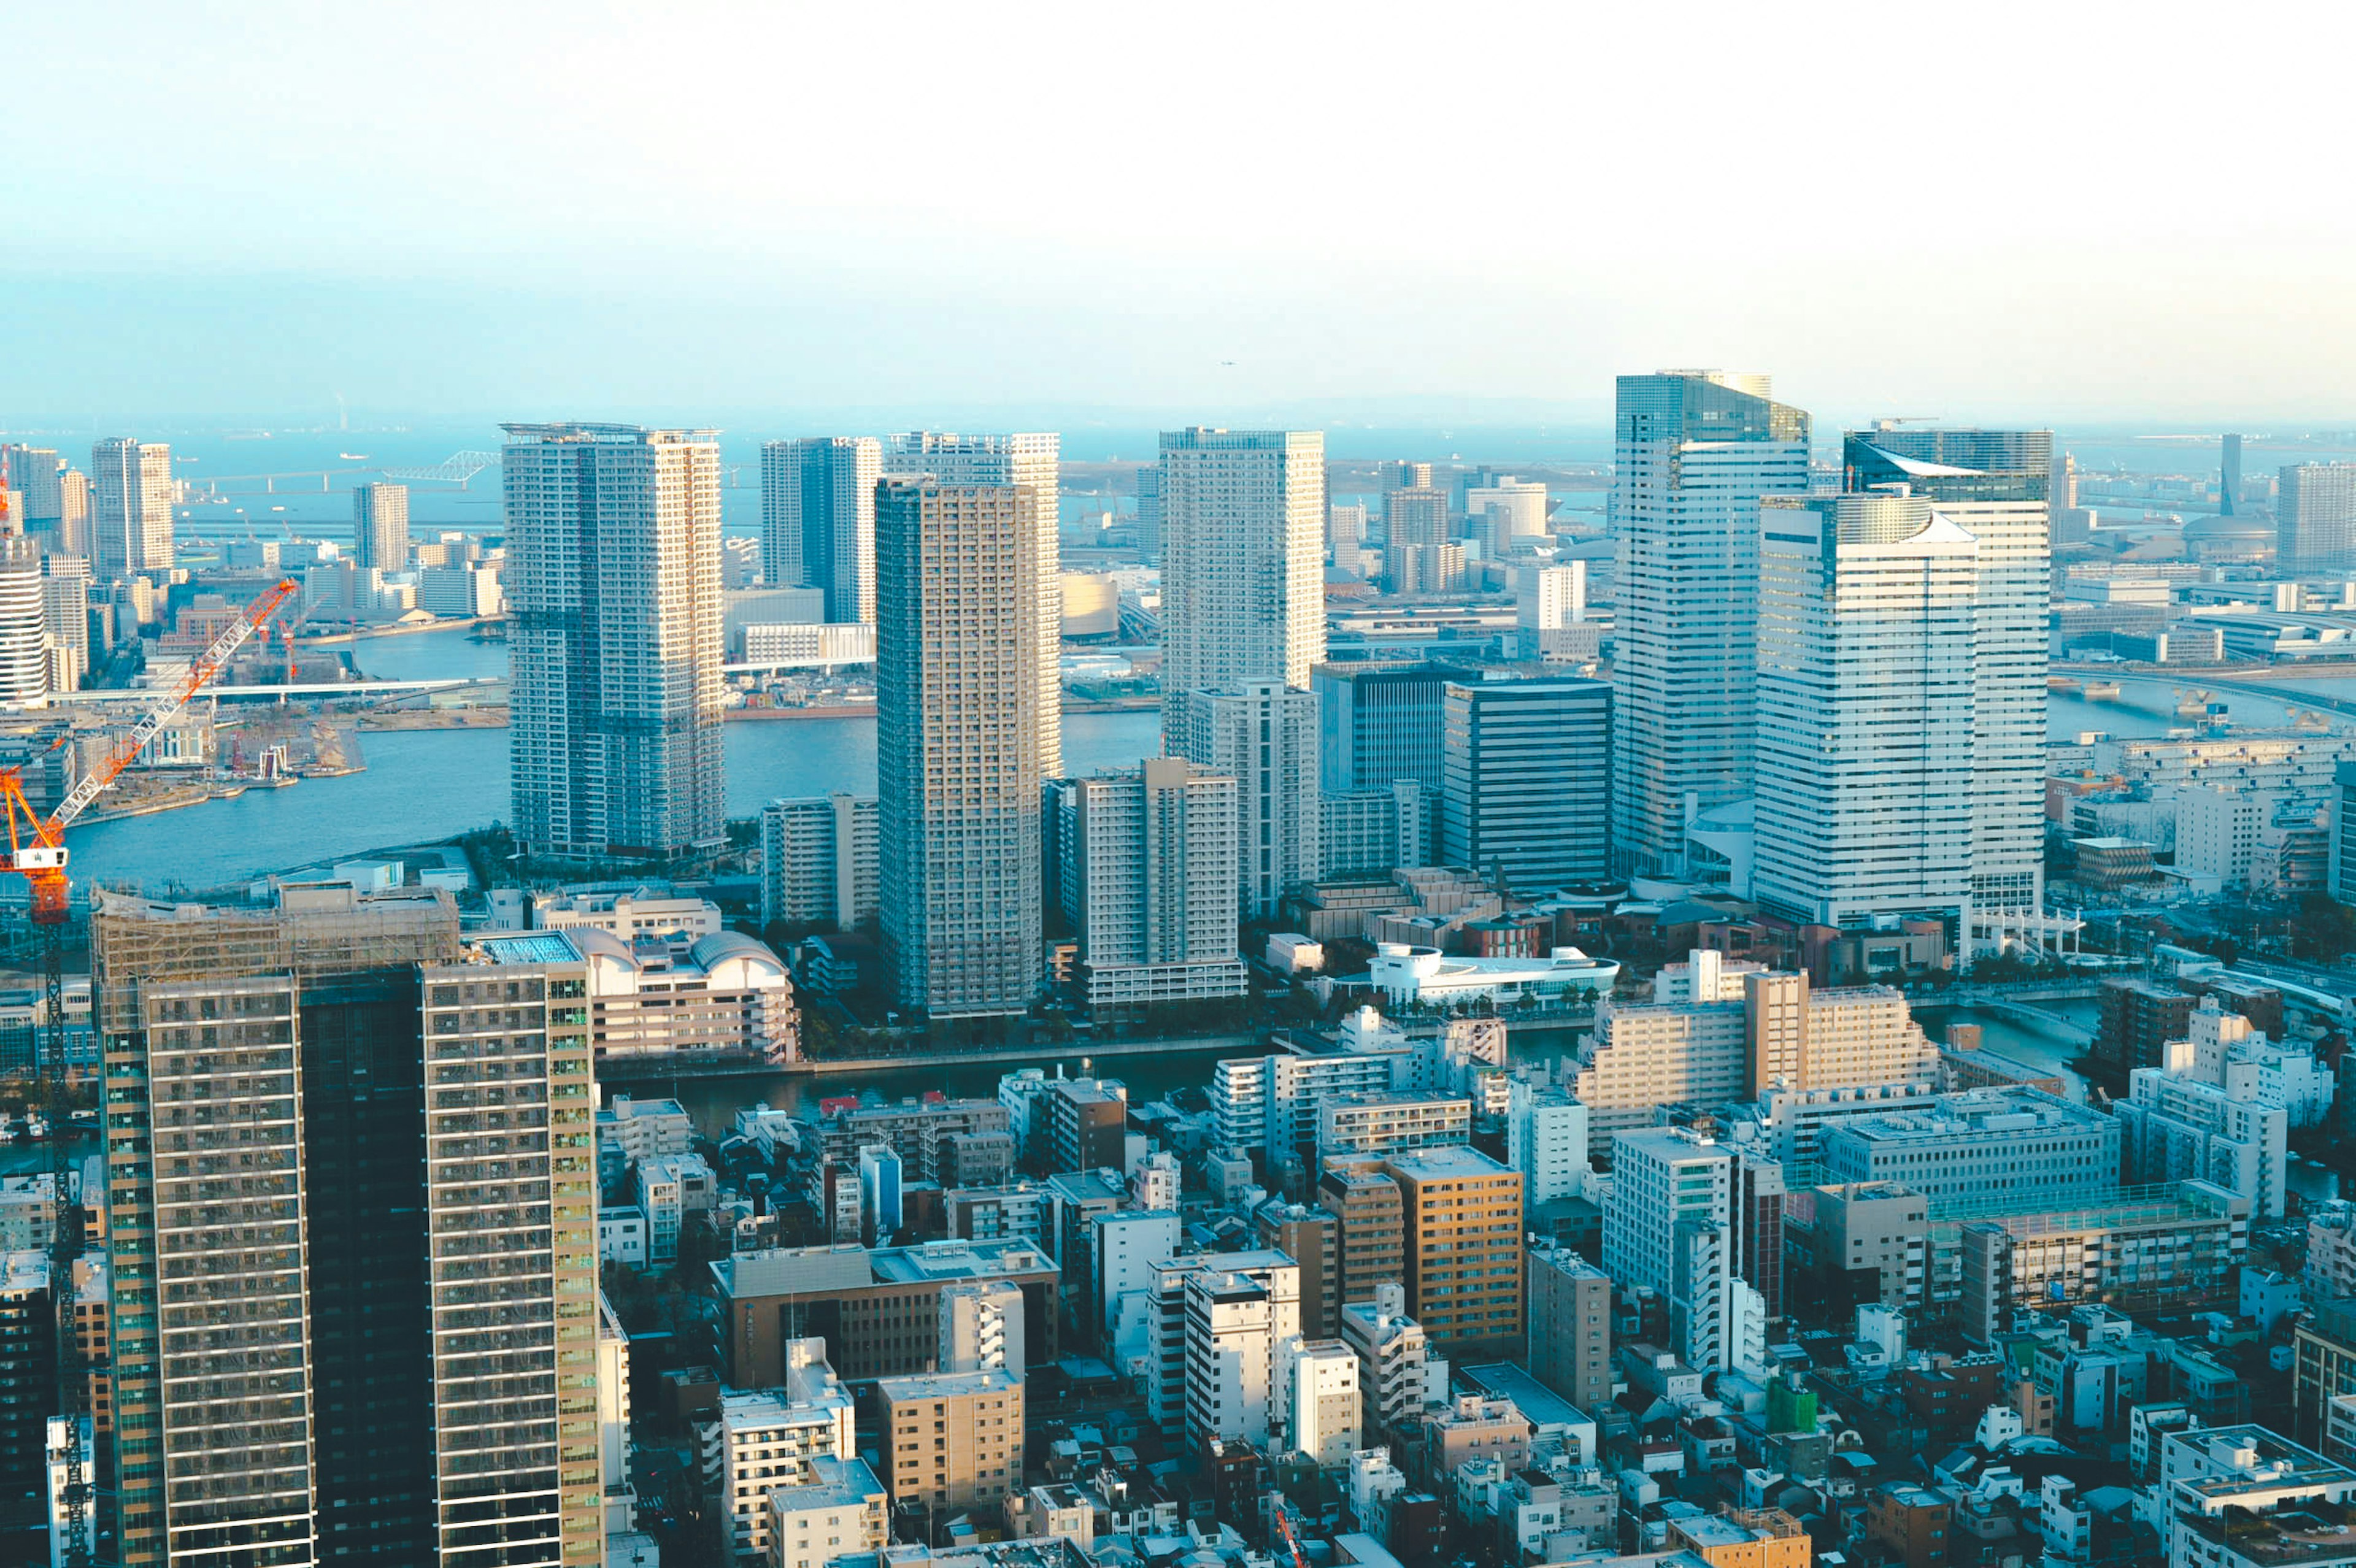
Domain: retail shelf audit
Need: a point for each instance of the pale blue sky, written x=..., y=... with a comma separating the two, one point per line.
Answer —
x=2060, y=212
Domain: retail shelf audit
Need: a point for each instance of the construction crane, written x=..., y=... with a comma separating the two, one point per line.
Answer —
x=36, y=851
x=1292, y=1542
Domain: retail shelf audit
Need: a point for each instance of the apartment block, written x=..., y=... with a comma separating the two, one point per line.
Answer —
x=1150, y=873
x=821, y=861
x=1397, y=1373
x=1464, y=1243
x=1570, y=1325
x=1369, y=1229
x=954, y=1438
x=1383, y=1125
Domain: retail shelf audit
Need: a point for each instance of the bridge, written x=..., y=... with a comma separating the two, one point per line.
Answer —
x=2052, y=1020
x=361, y=689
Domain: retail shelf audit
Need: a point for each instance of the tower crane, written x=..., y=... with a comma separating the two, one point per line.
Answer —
x=37, y=852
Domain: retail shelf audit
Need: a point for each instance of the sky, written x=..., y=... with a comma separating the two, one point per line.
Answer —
x=706, y=211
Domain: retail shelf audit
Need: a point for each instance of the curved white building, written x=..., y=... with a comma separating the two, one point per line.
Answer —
x=1411, y=973
x=657, y=996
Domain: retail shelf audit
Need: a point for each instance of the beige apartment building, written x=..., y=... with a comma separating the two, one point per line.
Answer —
x=956, y=1438
x=1464, y=1259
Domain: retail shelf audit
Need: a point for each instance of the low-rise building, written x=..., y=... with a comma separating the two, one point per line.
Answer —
x=1985, y=1144
x=1387, y=1123
x=838, y=1512
x=877, y=1308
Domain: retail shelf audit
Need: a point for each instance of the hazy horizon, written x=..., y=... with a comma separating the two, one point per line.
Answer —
x=704, y=210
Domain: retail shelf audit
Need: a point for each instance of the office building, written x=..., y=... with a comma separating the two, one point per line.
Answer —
x=1369, y=1229
x=1318, y=1380
x=1379, y=723
x=1031, y=465
x=2229, y=475
x=2245, y=1497
x=956, y=1439
x=1376, y=832
x=1345, y=534
x=1415, y=516
x=1243, y=579
x=1570, y=1325
x=1526, y=798
x=1232, y=1335
x=2203, y=1114
x=36, y=474
x=1718, y=1031
x=1464, y=1257
x=840, y=1511
x=1263, y=736
x=1398, y=1375
x=817, y=520
x=877, y=1308
x=2315, y=516
x=613, y=582
x=1982, y=1146
x=1701, y=1222
x=23, y=623
x=1087, y=1124
x=380, y=527
x=65, y=608
x=759, y=1441
x=1149, y=512
x=1504, y=515
x=1310, y=1237
x=981, y=1327
x=1545, y=1140
x=1883, y=1226
x=130, y=494
x=1693, y=452
x=350, y=1361
x=1996, y=485
x=1213, y=1321
x=1864, y=763
x=820, y=861
x=1150, y=876
x=963, y=649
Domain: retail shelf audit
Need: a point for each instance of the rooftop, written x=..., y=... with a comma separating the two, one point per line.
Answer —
x=800, y=1271
x=834, y=1483
x=946, y=1385
x=1444, y=1162
x=1543, y=1406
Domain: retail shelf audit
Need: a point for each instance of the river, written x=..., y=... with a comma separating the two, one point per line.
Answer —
x=425, y=784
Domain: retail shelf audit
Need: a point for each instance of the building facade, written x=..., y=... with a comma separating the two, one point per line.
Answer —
x=1525, y=796
x=1863, y=770
x=1030, y=463
x=1997, y=485
x=380, y=527
x=817, y=520
x=963, y=745
x=1150, y=878
x=131, y=493
x=821, y=861
x=1693, y=452
x=1243, y=579
x=615, y=640
x=1262, y=735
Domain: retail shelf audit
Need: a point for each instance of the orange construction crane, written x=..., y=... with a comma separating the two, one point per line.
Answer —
x=1292, y=1542
x=37, y=848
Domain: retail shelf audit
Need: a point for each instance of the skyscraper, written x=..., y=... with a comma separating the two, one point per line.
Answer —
x=2228, y=477
x=36, y=474
x=2315, y=525
x=1148, y=880
x=817, y=519
x=1693, y=452
x=1264, y=736
x=131, y=506
x=1864, y=774
x=1243, y=579
x=24, y=622
x=960, y=640
x=380, y=527
x=1995, y=485
x=1380, y=722
x=615, y=640
x=1031, y=463
x=409, y=1288
x=1526, y=796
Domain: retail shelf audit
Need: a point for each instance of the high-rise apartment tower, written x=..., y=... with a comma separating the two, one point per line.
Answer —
x=817, y=519
x=614, y=593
